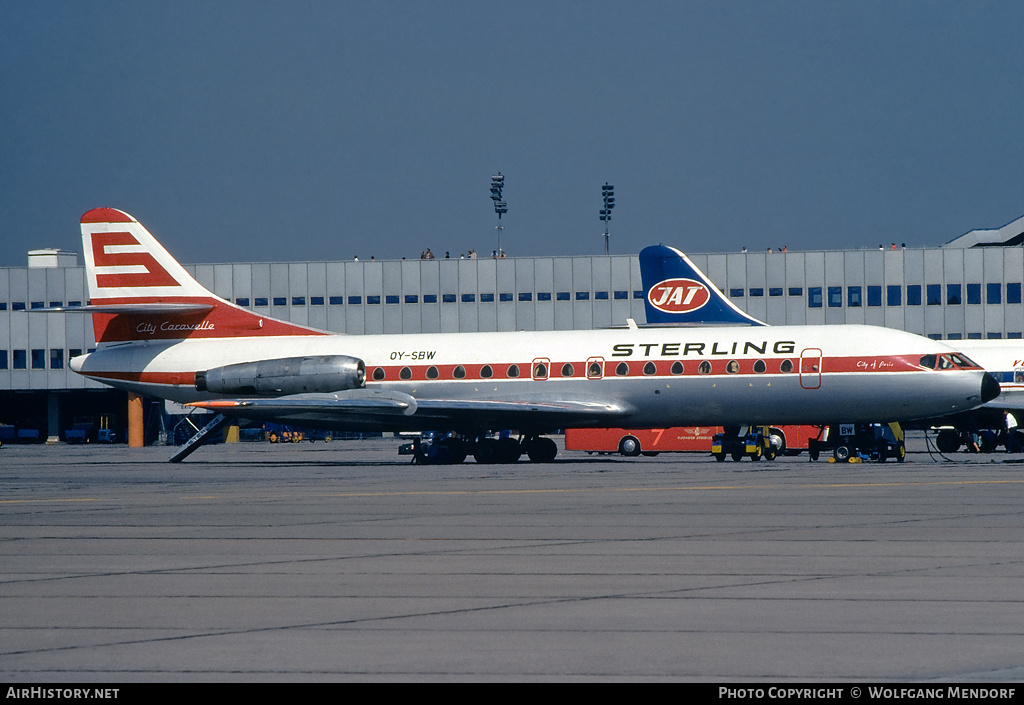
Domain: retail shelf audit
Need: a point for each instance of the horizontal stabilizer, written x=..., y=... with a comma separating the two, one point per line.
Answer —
x=169, y=309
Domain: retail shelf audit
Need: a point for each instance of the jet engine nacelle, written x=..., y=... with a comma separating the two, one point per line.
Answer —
x=286, y=375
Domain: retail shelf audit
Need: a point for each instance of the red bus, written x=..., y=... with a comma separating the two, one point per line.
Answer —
x=680, y=439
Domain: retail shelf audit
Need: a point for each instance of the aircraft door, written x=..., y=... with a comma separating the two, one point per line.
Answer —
x=810, y=368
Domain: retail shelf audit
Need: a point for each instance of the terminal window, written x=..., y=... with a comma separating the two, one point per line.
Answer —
x=893, y=295
x=757, y=291
x=1013, y=293
x=280, y=300
x=412, y=298
x=3, y=359
x=38, y=359
x=468, y=298
x=601, y=295
x=374, y=300
x=355, y=300
x=952, y=294
x=336, y=300
x=914, y=295
x=562, y=296
x=487, y=298
x=20, y=360
x=620, y=295
x=874, y=296
x=583, y=296
x=448, y=298
x=56, y=359
x=853, y=296
x=974, y=293
x=934, y=294
x=993, y=293
x=775, y=291
x=298, y=301
x=796, y=291
x=835, y=297
x=736, y=293
x=814, y=296
x=17, y=305
x=543, y=295
x=391, y=299
x=242, y=301
x=430, y=298
x=505, y=297
x=316, y=301
x=525, y=296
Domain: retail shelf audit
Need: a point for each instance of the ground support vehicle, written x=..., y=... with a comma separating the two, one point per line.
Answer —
x=738, y=442
x=858, y=442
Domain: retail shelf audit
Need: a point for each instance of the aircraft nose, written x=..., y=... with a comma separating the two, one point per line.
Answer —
x=989, y=388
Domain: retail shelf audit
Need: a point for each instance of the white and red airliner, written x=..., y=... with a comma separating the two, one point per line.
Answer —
x=160, y=333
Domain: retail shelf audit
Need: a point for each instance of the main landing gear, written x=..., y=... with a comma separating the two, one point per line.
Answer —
x=452, y=450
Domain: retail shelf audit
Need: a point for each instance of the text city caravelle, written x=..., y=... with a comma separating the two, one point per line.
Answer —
x=167, y=325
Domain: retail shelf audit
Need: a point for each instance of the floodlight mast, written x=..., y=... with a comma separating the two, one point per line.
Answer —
x=500, y=207
x=608, y=196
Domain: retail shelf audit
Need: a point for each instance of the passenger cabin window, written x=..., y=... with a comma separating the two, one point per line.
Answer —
x=512, y=371
x=650, y=368
x=378, y=374
x=405, y=373
x=704, y=368
x=486, y=372
x=760, y=367
x=677, y=368
x=786, y=367
x=567, y=370
x=733, y=367
x=459, y=372
x=622, y=369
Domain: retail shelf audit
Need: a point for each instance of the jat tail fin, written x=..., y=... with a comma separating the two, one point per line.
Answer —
x=138, y=291
x=679, y=293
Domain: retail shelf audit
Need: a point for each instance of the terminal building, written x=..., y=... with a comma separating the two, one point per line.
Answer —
x=970, y=288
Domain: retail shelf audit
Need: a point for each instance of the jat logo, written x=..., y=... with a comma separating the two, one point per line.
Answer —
x=678, y=295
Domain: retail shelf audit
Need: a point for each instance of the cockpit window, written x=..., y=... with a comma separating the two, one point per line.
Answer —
x=963, y=361
x=928, y=362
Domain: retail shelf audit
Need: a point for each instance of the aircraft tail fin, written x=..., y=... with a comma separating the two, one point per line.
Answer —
x=676, y=292
x=138, y=291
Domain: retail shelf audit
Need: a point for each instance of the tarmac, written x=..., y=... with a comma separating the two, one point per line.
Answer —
x=342, y=561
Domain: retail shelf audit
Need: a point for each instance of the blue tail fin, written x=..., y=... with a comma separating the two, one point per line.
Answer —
x=679, y=293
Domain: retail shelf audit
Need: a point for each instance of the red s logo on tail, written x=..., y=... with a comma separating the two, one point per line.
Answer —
x=678, y=295
x=154, y=274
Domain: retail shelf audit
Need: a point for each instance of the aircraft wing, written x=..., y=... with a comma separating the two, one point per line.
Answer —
x=365, y=408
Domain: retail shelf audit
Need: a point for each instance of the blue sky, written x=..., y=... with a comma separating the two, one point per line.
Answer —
x=261, y=131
